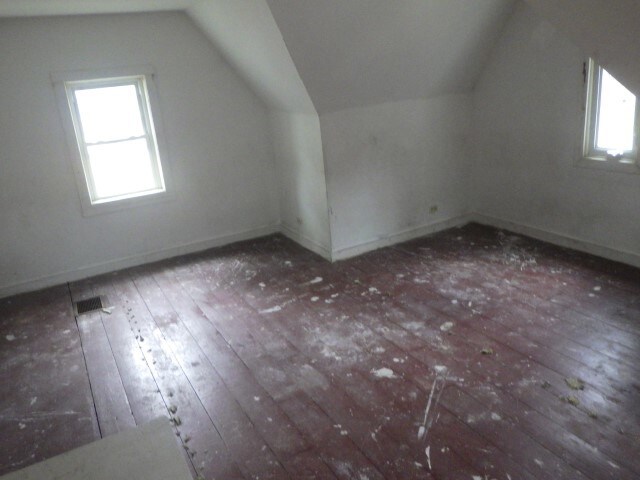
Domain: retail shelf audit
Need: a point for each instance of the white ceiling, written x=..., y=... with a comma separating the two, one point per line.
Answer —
x=29, y=8
x=349, y=53
x=247, y=35
x=341, y=53
x=363, y=52
x=243, y=30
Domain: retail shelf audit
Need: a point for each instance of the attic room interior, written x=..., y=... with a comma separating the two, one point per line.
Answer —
x=321, y=239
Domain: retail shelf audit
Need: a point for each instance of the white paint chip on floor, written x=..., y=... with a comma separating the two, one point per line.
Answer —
x=277, y=308
x=384, y=373
x=445, y=327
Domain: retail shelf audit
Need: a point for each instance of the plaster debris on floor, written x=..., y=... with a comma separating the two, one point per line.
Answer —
x=383, y=372
x=574, y=383
x=370, y=385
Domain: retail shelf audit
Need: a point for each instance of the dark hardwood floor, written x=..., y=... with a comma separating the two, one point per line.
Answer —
x=470, y=354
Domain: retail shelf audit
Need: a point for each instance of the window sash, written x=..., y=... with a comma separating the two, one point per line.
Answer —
x=147, y=121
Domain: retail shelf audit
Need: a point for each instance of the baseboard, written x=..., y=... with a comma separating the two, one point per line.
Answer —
x=403, y=236
x=560, y=239
x=305, y=241
x=134, y=260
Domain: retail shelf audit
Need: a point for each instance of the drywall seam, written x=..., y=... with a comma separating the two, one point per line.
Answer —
x=399, y=237
x=329, y=255
x=299, y=158
x=330, y=215
x=135, y=260
x=308, y=243
x=559, y=239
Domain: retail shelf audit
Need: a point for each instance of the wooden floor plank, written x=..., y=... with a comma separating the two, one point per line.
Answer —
x=112, y=406
x=46, y=407
x=278, y=364
x=110, y=399
x=144, y=399
x=181, y=401
x=298, y=370
x=297, y=376
x=274, y=426
x=268, y=417
x=243, y=441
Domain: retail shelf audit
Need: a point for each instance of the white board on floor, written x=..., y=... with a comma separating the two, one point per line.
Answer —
x=150, y=452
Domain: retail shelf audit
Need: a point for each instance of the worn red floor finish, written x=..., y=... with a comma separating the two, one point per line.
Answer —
x=448, y=357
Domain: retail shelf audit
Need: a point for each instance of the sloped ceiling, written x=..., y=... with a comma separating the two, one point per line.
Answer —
x=243, y=30
x=364, y=52
x=338, y=53
x=348, y=53
x=608, y=30
x=247, y=35
x=25, y=8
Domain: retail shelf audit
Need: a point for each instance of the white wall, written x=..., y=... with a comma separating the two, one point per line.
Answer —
x=606, y=29
x=303, y=193
x=217, y=134
x=388, y=164
x=528, y=123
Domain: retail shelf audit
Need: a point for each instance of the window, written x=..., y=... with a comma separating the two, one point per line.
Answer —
x=114, y=138
x=612, y=121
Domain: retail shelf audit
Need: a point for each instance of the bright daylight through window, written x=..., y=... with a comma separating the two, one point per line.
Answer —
x=116, y=138
x=612, y=120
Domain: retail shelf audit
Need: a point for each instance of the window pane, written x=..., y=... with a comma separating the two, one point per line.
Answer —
x=109, y=113
x=616, y=116
x=121, y=168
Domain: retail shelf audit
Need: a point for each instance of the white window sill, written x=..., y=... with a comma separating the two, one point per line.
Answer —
x=618, y=166
x=124, y=203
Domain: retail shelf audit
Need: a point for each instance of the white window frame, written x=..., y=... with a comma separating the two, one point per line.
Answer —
x=142, y=77
x=599, y=158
